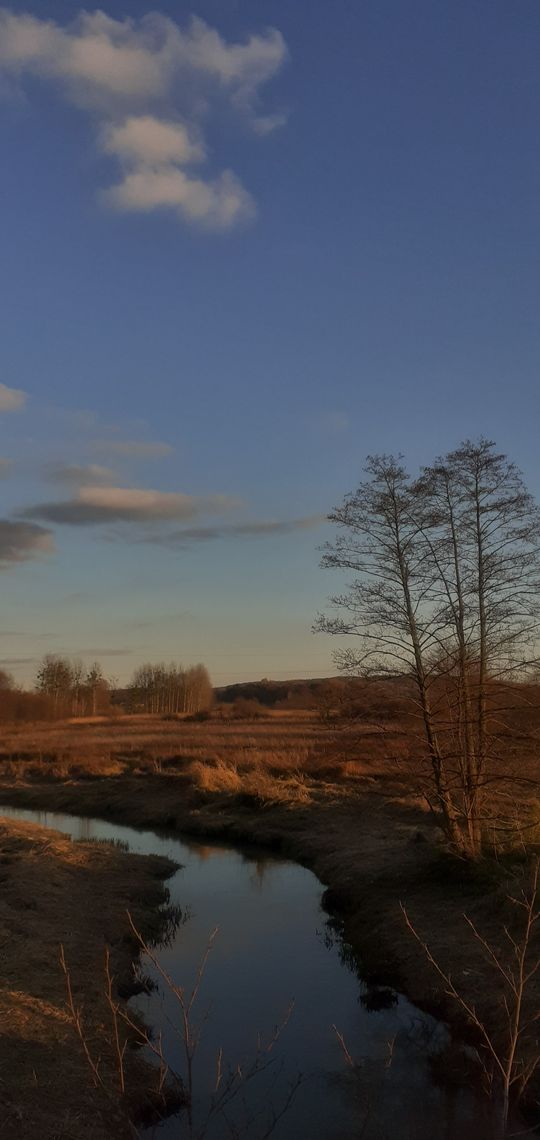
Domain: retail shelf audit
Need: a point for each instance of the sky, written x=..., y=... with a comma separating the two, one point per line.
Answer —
x=243, y=245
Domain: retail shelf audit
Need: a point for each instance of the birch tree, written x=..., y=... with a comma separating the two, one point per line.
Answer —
x=445, y=587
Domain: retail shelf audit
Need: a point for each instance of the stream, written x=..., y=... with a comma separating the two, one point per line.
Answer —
x=274, y=946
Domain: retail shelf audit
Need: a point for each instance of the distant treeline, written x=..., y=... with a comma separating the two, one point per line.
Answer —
x=169, y=689
x=382, y=697
x=64, y=688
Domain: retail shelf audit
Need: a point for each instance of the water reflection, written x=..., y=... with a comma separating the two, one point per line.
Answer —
x=275, y=945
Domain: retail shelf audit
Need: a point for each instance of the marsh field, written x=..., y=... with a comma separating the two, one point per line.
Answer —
x=342, y=795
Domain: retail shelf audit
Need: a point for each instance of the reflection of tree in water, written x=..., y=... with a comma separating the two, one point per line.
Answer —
x=258, y=874
x=205, y=851
x=257, y=864
x=376, y=998
x=84, y=829
x=373, y=997
x=332, y=938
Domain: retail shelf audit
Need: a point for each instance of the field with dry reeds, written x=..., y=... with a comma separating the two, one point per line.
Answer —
x=275, y=758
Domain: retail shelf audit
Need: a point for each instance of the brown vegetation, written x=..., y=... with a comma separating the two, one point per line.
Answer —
x=50, y=888
x=340, y=789
x=443, y=585
x=64, y=688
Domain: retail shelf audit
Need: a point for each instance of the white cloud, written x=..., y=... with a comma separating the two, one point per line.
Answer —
x=98, y=60
x=133, y=74
x=79, y=473
x=94, y=505
x=258, y=529
x=102, y=62
x=217, y=204
x=12, y=399
x=146, y=139
x=126, y=501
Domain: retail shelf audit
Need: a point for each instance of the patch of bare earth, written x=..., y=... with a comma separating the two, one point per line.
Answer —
x=57, y=892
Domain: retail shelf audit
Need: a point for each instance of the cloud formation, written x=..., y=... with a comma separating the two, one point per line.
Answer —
x=12, y=399
x=263, y=529
x=5, y=467
x=95, y=505
x=145, y=139
x=78, y=474
x=22, y=541
x=217, y=204
x=151, y=82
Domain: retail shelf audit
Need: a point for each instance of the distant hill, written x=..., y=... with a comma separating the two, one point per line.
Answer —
x=381, y=697
x=309, y=692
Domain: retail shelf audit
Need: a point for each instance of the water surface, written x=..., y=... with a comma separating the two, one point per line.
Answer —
x=275, y=946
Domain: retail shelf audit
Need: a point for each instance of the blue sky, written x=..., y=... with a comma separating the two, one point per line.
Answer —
x=243, y=245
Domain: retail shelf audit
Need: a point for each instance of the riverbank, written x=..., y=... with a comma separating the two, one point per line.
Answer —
x=370, y=848
x=344, y=799
x=55, y=892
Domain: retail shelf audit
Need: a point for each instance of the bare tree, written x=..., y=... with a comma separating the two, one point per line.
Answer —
x=171, y=689
x=96, y=689
x=7, y=681
x=445, y=589
x=509, y=1057
x=77, y=687
x=55, y=679
x=70, y=689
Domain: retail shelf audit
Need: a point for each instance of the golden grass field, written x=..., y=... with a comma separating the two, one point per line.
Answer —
x=279, y=754
x=279, y=757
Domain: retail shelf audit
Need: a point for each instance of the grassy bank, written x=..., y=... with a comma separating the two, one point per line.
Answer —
x=56, y=892
x=341, y=803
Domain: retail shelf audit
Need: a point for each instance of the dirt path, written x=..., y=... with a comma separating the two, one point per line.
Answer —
x=54, y=891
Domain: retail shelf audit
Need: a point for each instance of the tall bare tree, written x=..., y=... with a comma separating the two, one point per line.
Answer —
x=171, y=689
x=96, y=689
x=445, y=588
x=55, y=679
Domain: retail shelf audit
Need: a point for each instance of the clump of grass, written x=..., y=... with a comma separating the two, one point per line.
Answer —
x=254, y=783
x=118, y=844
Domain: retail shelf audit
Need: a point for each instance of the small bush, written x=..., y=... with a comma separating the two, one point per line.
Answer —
x=245, y=708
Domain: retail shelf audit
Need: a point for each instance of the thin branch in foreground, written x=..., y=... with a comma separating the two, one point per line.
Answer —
x=509, y=1057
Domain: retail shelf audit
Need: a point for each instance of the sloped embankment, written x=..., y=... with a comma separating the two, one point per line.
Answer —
x=57, y=892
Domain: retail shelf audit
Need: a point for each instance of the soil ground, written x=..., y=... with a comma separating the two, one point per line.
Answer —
x=56, y=892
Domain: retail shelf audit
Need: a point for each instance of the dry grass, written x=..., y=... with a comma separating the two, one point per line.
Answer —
x=281, y=757
x=54, y=891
